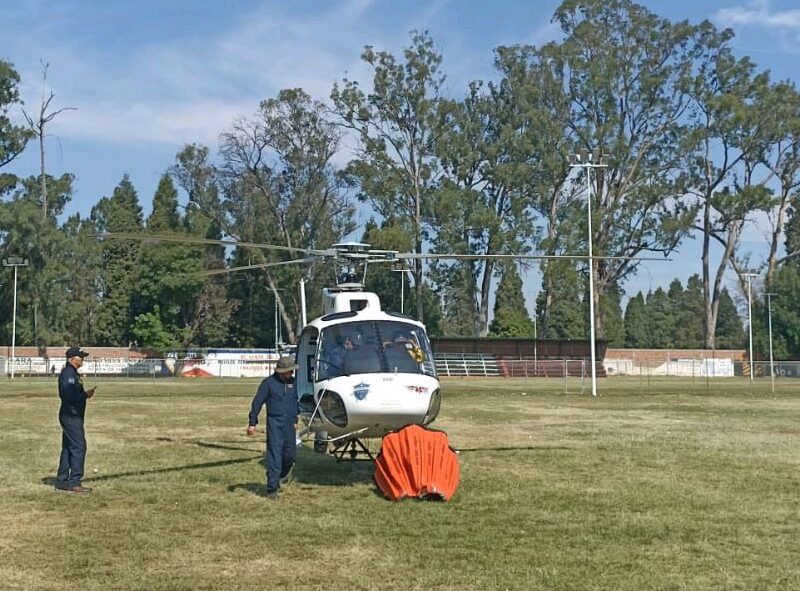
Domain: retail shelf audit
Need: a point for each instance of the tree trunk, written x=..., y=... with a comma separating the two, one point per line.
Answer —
x=709, y=330
x=43, y=178
x=483, y=310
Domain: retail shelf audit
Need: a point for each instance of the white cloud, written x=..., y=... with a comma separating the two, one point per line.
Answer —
x=784, y=24
x=170, y=123
x=191, y=89
x=758, y=12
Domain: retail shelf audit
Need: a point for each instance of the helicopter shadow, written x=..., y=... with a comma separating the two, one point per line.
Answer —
x=323, y=469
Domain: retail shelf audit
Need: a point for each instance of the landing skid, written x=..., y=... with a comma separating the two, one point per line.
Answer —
x=354, y=448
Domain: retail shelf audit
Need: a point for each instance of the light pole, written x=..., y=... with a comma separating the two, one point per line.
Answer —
x=749, y=276
x=771, y=363
x=585, y=159
x=14, y=262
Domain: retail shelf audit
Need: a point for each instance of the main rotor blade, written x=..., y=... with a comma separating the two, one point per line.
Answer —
x=190, y=240
x=249, y=267
x=494, y=257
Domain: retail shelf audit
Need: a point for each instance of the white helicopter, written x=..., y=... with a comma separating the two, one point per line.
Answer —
x=362, y=371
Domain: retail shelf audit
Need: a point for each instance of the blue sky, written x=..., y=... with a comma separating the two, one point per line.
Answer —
x=148, y=76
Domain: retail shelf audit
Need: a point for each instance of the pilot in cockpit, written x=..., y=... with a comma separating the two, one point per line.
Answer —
x=401, y=353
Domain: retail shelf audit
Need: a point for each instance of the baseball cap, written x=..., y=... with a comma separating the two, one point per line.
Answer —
x=76, y=352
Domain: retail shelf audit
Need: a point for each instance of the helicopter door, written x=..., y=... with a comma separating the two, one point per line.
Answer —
x=306, y=361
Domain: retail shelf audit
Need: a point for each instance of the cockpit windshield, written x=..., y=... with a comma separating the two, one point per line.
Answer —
x=374, y=346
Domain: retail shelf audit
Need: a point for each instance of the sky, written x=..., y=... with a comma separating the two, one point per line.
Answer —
x=147, y=76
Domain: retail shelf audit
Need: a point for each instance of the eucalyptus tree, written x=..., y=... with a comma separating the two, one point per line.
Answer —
x=13, y=138
x=482, y=206
x=623, y=68
x=726, y=128
x=534, y=90
x=282, y=188
x=781, y=156
x=396, y=125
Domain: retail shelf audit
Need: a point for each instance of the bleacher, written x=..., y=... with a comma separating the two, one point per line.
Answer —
x=485, y=365
x=466, y=364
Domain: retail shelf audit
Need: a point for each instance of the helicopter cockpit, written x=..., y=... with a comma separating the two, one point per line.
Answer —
x=374, y=346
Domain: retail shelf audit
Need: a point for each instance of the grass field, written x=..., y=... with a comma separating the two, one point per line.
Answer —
x=668, y=488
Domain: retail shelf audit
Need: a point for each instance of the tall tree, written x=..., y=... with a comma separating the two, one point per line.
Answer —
x=282, y=189
x=81, y=266
x=207, y=319
x=510, y=313
x=536, y=143
x=781, y=156
x=38, y=126
x=568, y=311
x=120, y=263
x=729, y=324
x=636, y=329
x=688, y=309
x=660, y=321
x=12, y=137
x=26, y=234
x=611, y=310
x=169, y=287
x=724, y=124
x=396, y=167
x=482, y=206
x=165, y=216
x=623, y=69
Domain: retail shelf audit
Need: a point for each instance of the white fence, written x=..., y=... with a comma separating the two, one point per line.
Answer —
x=688, y=368
x=451, y=365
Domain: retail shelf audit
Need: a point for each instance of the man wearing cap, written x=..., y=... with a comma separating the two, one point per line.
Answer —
x=278, y=392
x=73, y=407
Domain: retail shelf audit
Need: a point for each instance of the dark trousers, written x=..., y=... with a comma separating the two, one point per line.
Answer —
x=73, y=452
x=281, y=450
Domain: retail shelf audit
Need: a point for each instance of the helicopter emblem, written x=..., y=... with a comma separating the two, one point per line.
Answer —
x=361, y=390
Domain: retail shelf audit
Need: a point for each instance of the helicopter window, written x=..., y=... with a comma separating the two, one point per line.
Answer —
x=374, y=346
x=357, y=305
x=338, y=315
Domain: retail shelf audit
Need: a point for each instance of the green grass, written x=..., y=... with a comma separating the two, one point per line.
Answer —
x=675, y=484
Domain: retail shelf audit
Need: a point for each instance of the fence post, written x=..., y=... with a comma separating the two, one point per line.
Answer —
x=565, y=375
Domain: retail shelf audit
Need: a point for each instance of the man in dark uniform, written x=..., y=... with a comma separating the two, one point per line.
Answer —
x=279, y=393
x=73, y=408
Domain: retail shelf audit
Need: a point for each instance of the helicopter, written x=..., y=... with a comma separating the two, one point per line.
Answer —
x=363, y=371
